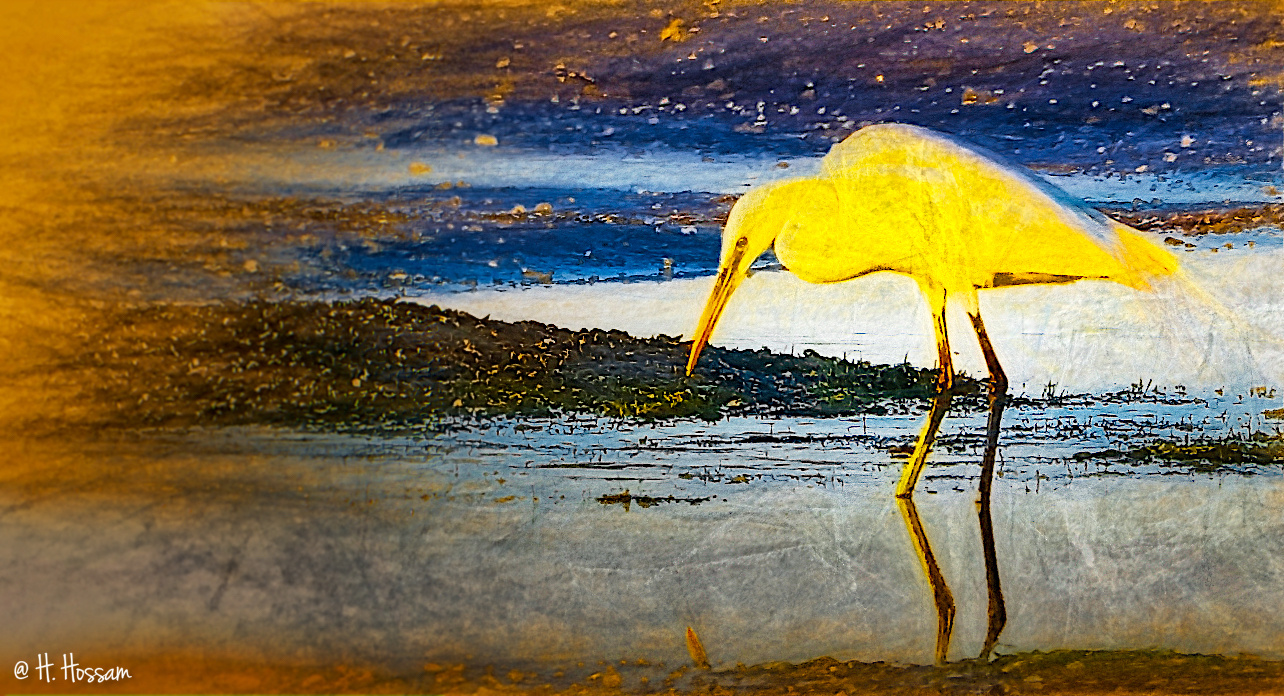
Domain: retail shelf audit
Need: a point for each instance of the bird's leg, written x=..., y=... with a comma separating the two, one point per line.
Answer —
x=941, y=402
x=941, y=595
x=997, y=614
x=940, y=590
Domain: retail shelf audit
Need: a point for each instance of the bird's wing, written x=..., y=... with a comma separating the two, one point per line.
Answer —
x=987, y=217
x=971, y=167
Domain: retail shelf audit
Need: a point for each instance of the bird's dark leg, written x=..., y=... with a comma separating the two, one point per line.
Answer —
x=941, y=402
x=941, y=594
x=997, y=614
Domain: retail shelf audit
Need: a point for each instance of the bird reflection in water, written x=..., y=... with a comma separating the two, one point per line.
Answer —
x=908, y=200
x=996, y=612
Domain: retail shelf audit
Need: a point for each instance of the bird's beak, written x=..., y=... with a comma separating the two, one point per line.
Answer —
x=729, y=279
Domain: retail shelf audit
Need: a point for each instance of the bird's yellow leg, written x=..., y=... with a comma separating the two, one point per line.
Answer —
x=996, y=613
x=940, y=590
x=941, y=402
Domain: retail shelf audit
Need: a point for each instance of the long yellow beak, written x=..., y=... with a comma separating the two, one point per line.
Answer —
x=729, y=278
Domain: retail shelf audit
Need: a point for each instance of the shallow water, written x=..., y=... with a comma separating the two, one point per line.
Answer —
x=511, y=543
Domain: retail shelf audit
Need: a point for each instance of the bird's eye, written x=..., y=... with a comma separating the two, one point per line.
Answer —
x=742, y=242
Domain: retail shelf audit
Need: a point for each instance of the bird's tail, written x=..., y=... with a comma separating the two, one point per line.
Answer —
x=1218, y=332
x=1208, y=302
x=1148, y=266
x=1142, y=259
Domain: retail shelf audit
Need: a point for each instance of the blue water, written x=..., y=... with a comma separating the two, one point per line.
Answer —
x=463, y=238
x=590, y=236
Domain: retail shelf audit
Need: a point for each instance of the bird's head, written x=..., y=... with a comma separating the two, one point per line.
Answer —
x=756, y=220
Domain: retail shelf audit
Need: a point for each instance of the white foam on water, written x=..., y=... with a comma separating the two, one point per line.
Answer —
x=1211, y=187
x=368, y=169
x=657, y=169
x=1222, y=326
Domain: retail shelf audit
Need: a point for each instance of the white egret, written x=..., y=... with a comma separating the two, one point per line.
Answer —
x=909, y=200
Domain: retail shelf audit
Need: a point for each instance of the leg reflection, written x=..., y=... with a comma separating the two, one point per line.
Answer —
x=996, y=613
x=940, y=591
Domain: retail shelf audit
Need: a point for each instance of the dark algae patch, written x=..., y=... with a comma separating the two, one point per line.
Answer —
x=626, y=499
x=1204, y=455
x=383, y=364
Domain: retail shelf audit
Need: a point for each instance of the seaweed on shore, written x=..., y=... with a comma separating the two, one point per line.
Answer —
x=1203, y=455
x=1209, y=221
x=384, y=364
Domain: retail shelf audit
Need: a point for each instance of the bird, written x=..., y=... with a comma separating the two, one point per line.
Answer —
x=953, y=217
x=956, y=219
